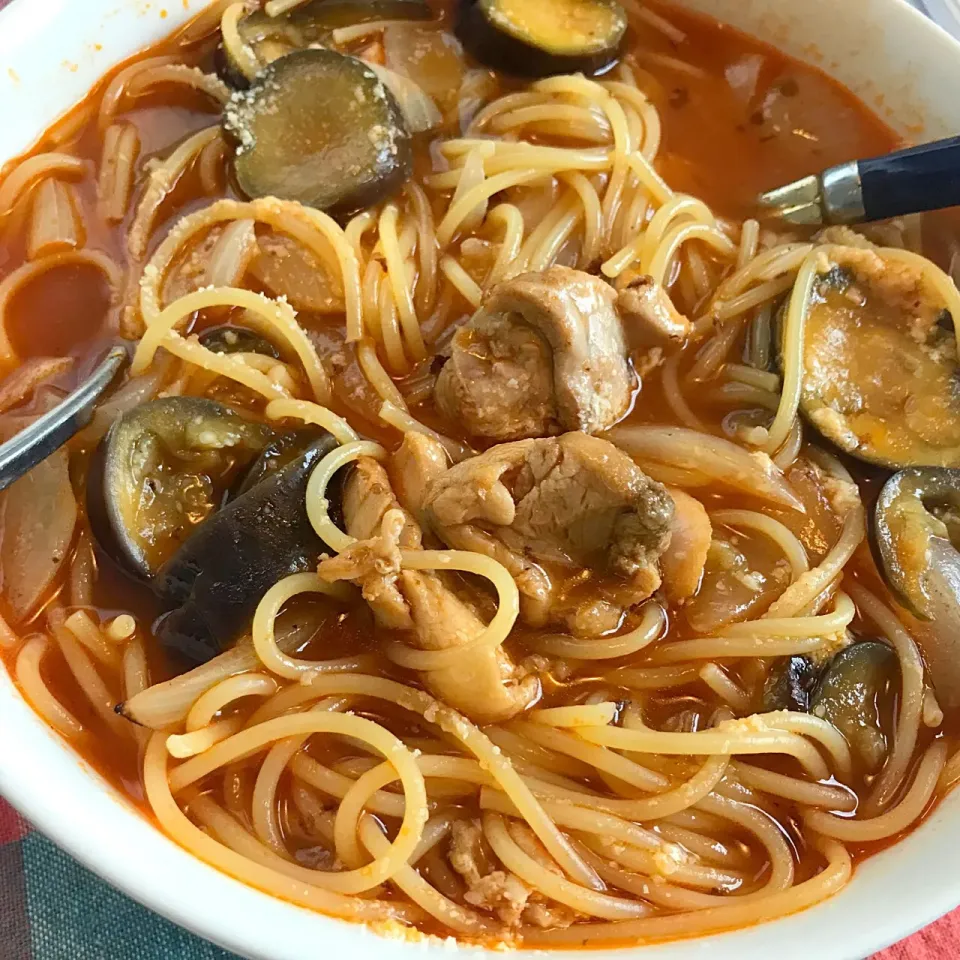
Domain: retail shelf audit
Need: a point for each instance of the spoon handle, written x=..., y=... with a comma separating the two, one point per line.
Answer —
x=908, y=181
x=911, y=181
x=54, y=429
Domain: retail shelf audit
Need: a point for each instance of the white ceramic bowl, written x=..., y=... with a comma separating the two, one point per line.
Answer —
x=51, y=52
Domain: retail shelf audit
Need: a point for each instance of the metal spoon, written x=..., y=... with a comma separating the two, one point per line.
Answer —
x=54, y=429
x=908, y=181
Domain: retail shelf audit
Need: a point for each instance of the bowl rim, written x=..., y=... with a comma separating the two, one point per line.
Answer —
x=38, y=768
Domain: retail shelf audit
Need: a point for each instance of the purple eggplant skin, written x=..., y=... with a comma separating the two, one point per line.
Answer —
x=277, y=454
x=210, y=588
x=227, y=70
x=914, y=536
x=503, y=49
x=910, y=492
x=789, y=684
x=122, y=467
x=850, y=696
x=229, y=339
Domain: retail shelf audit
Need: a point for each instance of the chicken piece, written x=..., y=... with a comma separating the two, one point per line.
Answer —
x=545, y=354
x=373, y=563
x=575, y=506
x=367, y=496
x=649, y=316
x=418, y=462
x=483, y=684
x=497, y=891
x=682, y=563
x=350, y=385
x=539, y=911
x=576, y=500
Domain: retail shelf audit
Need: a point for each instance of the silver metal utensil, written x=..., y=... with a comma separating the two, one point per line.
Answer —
x=908, y=181
x=54, y=429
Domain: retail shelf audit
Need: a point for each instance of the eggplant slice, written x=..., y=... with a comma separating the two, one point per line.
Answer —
x=283, y=450
x=210, y=588
x=856, y=694
x=160, y=471
x=915, y=537
x=880, y=367
x=230, y=339
x=916, y=524
x=790, y=684
x=539, y=38
x=855, y=691
x=319, y=128
x=267, y=38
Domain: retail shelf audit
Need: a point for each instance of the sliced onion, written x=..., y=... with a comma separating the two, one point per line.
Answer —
x=733, y=589
x=478, y=88
x=39, y=516
x=135, y=391
x=419, y=110
x=288, y=269
x=232, y=254
x=54, y=223
x=472, y=175
x=708, y=459
x=430, y=57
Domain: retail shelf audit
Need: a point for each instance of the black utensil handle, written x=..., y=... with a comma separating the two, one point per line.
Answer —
x=911, y=181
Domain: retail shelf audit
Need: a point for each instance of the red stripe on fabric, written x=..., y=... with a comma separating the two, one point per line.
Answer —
x=12, y=825
x=939, y=941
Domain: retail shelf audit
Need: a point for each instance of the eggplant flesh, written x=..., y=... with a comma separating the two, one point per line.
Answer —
x=319, y=128
x=268, y=38
x=855, y=694
x=210, y=588
x=533, y=38
x=880, y=369
x=160, y=471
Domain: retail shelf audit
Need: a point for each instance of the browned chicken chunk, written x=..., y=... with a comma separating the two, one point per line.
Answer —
x=488, y=888
x=649, y=316
x=498, y=891
x=418, y=462
x=483, y=684
x=683, y=561
x=543, y=355
x=559, y=513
